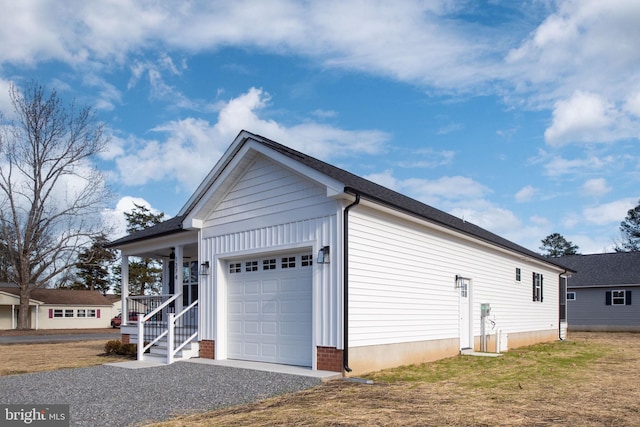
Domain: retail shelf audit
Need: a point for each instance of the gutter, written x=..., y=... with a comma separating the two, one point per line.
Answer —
x=345, y=281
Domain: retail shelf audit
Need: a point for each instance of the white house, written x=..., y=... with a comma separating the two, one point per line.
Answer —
x=56, y=309
x=287, y=259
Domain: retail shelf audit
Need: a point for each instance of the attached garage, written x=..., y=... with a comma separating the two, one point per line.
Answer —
x=269, y=309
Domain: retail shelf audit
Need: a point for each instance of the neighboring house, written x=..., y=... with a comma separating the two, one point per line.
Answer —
x=286, y=259
x=600, y=296
x=56, y=309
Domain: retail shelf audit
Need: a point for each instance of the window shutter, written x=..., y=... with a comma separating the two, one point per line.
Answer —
x=607, y=299
x=51, y=313
x=98, y=313
x=534, y=286
x=627, y=298
x=541, y=286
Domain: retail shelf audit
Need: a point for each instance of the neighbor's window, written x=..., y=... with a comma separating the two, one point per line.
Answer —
x=91, y=312
x=571, y=296
x=58, y=312
x=617, y=297
x=537, y=287
x=68, y=313
x=518, y=275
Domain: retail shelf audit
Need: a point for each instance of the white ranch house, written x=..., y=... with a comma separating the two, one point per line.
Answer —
x=283, y=258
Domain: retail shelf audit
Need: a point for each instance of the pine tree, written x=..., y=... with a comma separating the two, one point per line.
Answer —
x=630, y=229
x=145, y=274
x=93, y=267
x=555, y=245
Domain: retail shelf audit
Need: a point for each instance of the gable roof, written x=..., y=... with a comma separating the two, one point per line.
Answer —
x=353, y=184
x=610, y=269
x=62, y=296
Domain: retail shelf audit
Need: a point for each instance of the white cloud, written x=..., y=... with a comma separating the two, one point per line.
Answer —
x=558, y=166
x=526, y=194
x=608, y=213
x=595, y=187
x=192, y=146
x=115, y=220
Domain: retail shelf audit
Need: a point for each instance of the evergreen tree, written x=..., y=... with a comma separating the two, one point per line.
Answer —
x=630, y=229
x=93, y=267
x=555, y=245
x=145, y=274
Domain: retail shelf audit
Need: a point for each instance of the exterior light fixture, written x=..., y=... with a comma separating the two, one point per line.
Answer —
x=204, y=268
x=323, y=255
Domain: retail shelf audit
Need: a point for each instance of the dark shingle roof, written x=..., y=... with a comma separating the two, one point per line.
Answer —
x=611, y=269
x=368, y=190
x=63, y=296
x=170, y=226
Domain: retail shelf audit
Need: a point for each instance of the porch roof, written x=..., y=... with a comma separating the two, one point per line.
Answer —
x=353, y=184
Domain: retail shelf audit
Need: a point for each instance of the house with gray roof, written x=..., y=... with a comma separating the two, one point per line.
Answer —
x=281, y=258
x=600, y=295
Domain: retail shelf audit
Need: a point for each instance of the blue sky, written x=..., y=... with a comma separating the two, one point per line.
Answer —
x=521, y=117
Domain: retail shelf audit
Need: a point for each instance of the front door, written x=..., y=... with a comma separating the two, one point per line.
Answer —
x=465, y=316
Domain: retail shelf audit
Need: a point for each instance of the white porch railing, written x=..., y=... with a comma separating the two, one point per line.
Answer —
x=161, y=323
x=186, y=323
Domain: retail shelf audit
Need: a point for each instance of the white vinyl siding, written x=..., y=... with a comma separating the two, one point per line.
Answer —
x=268, y=189
x=269, y=210
x=402, y=283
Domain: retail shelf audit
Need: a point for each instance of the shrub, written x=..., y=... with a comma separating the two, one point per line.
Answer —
x=128, y=350
x=113, y=347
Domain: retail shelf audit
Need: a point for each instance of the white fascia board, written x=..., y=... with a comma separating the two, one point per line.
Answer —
x=458, y=234
x=249, y=150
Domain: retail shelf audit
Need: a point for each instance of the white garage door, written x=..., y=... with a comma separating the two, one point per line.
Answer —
x=269, y=309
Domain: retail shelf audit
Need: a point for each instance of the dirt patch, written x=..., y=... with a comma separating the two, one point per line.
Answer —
x=590, y=380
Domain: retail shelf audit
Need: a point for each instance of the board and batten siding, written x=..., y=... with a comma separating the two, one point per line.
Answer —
x=271, y=209
x=402, y=283
x=589, y=309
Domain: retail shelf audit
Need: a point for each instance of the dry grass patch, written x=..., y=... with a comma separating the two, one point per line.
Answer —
x=26, y=358
x=588, y=381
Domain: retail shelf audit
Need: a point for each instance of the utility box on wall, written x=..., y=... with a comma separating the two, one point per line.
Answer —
x=485, y=309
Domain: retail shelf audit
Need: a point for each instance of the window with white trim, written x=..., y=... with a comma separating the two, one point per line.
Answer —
x=518, y=275
x=571, y=296
x=235, y=267
x=306, y=260
x=58, y=312
x=618, y=297
x=91, y=312
x=251, y=266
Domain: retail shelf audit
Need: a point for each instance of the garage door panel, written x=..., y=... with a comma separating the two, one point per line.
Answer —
x=274, y=309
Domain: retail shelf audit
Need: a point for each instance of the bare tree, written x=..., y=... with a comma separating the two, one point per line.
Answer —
x=50, y=193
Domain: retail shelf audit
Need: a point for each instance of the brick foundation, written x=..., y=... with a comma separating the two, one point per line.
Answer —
x=329, y=359
x=125, y=339
x=207, y=349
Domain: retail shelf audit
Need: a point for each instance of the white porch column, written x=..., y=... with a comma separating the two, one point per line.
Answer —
x=179, y=276
x=124, y=289
x=13, y=316
x=37, y=307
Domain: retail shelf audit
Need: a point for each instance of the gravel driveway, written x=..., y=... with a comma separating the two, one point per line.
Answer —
x=114, y=396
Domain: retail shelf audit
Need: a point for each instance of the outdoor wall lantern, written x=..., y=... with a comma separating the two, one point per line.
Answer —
x=204, y=268
x=323, y=255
